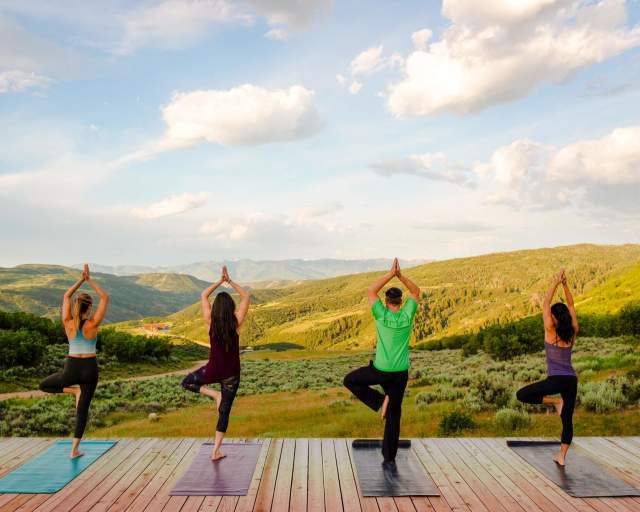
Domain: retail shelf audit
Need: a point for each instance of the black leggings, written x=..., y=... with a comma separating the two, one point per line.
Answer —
x=359, y=382
x=77, y=370
x=228, y=388
x=567, y=386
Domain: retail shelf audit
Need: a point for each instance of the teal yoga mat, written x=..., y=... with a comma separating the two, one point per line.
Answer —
x=51, y=470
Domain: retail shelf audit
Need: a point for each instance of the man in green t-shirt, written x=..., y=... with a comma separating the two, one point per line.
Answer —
x=394, y=323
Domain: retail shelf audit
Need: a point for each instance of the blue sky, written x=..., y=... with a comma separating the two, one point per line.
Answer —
x=171, y=131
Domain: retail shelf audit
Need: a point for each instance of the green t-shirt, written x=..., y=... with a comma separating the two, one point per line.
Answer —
x=393, y=331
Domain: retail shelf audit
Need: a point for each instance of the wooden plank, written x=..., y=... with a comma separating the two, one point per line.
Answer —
x=484, y=479
x=135, y=488
x=160, y=499
x=87, y=491
x=551, y=490
x=447, y=489
x=500, y=474
x=246, y=503
x=483, y=488
x=423, y=504
x=140, y=461
x=192, y=504
x=386, y=504
x=629, y=446
x=332, y=496
x=282, y=491
x=10, y=444
x=210, y=504
x=368, y=504
x=23, y=453
x=404, y=504
x=153, y=487
x=31, y=504
x=264, y=497
x=315, y=488
x=348, y=489
x=299, y=480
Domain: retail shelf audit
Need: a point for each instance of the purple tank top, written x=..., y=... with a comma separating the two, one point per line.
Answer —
x=223, y=363
x=558, y=360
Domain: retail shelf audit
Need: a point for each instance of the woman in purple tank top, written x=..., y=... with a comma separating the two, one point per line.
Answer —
x=560, y=331
x=223, y=321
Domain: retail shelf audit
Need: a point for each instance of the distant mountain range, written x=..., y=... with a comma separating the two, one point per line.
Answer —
x=262, y=272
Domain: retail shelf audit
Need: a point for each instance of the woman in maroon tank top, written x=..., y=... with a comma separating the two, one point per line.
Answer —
x=223, y=320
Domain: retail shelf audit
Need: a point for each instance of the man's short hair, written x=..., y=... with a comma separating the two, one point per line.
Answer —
x=394, y=296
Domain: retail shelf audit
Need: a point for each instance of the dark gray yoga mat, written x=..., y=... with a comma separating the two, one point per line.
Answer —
x=230, y=476
x=408, y=478
x=582, y=477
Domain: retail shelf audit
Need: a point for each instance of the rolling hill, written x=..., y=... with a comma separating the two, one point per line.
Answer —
x=38, y=289
x=458, y=295
x=257, y=272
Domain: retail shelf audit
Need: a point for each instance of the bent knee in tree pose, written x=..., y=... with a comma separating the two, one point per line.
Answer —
x=224, y=321
x=81, y=366
x=560, y=332
x=390, y=369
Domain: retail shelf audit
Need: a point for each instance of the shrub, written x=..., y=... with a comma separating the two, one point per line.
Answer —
x=492, y=389
x=601, y=397
x=511, y=419
x=21, y=348
x=455, y=422
x=629, y=319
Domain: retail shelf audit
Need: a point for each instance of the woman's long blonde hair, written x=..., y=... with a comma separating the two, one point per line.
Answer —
x=81, y=305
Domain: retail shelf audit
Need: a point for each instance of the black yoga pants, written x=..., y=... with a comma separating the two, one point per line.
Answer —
x=566, y=386
x=228, y=388
x=77, y=371
x=359, y=382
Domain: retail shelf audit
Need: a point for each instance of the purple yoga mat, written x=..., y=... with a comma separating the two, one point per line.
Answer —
x=230, y=476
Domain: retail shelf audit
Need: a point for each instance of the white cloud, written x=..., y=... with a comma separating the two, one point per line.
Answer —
x=174, y=23
x=277, y=34
x=18, y=81
x=243, y=116
x=341, y=79
x=611, y=160
x=171, y=206
x=499, y=51
x=355, y=87
x=371, y=61
x=432, y=166
x=296, y=14
x=420, y=38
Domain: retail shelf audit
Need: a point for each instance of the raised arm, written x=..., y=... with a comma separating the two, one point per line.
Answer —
x=101, y=310
x=378, y=284
x=245, y=298
x=204, y=299
x=570, y=304
x=548, y=298
x=414, y=289
x=66, y=301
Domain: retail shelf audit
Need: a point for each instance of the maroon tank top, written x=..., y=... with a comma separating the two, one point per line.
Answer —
x=223, y=363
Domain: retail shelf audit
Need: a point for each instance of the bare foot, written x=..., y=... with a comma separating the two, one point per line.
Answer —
x=217, y=455
x=76, y=455
x=559, y=460
x=558, y=405
x=385, y=405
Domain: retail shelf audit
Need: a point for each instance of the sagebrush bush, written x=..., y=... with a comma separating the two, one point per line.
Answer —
x=601, y=397
x=455, y=422
x=511, y=419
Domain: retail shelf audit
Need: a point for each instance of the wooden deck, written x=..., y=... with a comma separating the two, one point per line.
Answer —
x=317, y=475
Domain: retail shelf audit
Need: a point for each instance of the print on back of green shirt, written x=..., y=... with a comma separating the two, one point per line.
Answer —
x=393, y=331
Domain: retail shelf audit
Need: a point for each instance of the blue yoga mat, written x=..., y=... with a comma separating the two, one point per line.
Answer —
x=52, y=469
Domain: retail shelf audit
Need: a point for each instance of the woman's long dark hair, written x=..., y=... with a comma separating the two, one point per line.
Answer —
x=564, y=322
x=224, y=324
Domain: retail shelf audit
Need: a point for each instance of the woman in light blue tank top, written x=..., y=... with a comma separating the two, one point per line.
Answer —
x=80, y=374
x=560, y=331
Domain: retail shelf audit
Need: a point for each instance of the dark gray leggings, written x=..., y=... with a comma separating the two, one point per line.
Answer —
x=80, y=371
x=228, y=387
x=566, y=386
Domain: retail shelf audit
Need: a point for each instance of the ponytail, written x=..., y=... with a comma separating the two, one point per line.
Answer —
x=80, y=306
x=564, y=322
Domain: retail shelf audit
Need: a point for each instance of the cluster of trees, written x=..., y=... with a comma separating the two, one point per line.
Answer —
x=505, y=340
x=24, y=338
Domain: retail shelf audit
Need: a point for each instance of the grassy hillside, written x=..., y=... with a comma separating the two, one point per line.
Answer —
x=458, y=295
x=38, y=289
x=609, y=297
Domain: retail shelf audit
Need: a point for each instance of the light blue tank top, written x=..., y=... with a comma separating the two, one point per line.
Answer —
x=81, y=345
